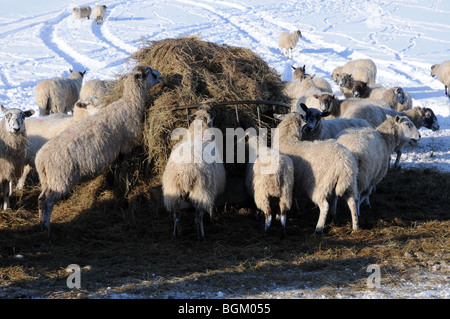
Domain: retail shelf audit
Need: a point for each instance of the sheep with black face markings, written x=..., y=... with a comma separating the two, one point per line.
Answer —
x=322, y=169
x=90, y=145
x=317, y=129
x=190, y=176
x=397, y=98
x=13, y=144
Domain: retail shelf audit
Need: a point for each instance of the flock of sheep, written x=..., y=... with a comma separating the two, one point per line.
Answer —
x=326, y=148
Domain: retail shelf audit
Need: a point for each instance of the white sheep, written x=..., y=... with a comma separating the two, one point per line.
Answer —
x=372, y=149
x=90, y=145
x=271, y=175
x=189, y=176
x=287, y=42
x=98, y=13
x=397, y=98
x=81, y=12
x=13, y=144
x=97, y=88
x=303, y=92
x=375, y=115
x=442, y=72
x=362, y=68
x=314, y=128
x=42, y=129
x=58, y=95
x=322, y=169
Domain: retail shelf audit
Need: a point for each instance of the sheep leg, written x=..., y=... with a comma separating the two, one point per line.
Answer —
x=397, y=160
x=199, y=222
x=351, y=202
x=21, y=181
x=323, y=207
x=6, y=194
x=283, y=210
x=46, y=203
x=176, y=223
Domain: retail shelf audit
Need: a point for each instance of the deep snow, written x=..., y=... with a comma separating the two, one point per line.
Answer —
x=41, y=39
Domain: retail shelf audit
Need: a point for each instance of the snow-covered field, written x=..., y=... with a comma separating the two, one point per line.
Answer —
x=41, y=39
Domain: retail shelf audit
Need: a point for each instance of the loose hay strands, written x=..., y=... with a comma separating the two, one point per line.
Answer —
x=198, y=72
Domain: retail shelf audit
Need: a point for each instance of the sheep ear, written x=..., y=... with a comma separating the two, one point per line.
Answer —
x=81, y=105
x=83, y=73
x=293, y=67
x=4, y=109
x=278, y=117
x=397, y=118
x=304, y=107
x=316, y=96
x=70, y=70
x=28, y=113
x=335, y=96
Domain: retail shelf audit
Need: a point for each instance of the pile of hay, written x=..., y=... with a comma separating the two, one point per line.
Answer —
x=197, y=72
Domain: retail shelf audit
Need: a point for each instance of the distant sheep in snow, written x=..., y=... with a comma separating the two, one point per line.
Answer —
x=287, y=42
x=58, y=95
x=90, y=145
x=442, y=72
x=13, y=144
x=99, y=13
x=81, y=12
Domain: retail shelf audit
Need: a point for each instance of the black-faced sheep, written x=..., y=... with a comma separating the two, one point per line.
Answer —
x=13, y=144
x=271, y=175
x=322, y=169
x=372, y=149
x=90, y=145
x=287, y=42
x=190, y=176
x=58, y=95
x=442, y=72
x=317, y=129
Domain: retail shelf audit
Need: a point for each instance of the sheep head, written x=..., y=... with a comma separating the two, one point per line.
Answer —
x=14, y=119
